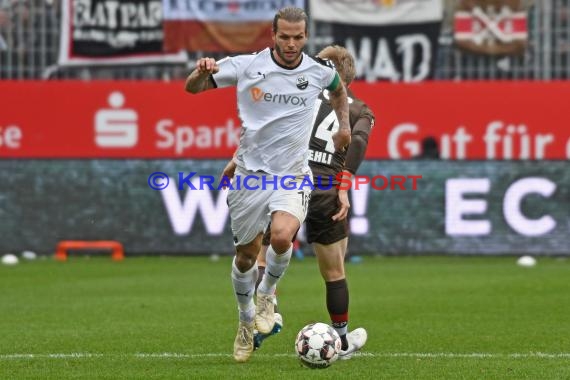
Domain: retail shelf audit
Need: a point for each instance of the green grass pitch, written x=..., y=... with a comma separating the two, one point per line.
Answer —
x=175, y=318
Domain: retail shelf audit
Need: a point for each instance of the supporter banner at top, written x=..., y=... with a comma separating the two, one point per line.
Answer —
x=226, y=10
x=391, y=40
x=395, y=53
x=220, y=25
x=110, y=32
x=469, y=120
x=376, y=12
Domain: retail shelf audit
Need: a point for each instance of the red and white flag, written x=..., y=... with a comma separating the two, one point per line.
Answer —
x=494, y=29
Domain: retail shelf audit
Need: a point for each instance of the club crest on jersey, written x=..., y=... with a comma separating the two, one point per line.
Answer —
x=302, y=82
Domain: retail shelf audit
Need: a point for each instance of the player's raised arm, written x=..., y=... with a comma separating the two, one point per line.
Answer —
x=339, y=103
x=200, y=79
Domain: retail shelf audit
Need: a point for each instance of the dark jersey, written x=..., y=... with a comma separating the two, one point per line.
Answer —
x=323, y=159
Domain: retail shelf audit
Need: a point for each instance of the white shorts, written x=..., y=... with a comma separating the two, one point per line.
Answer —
x=251, y=206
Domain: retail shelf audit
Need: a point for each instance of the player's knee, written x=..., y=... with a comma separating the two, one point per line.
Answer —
x=280, y=242
x=333, y=274
x=244, y=262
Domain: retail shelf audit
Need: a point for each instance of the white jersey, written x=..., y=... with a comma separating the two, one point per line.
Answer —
x=275, y=105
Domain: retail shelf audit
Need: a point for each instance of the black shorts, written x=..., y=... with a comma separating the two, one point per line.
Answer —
x=319, y=225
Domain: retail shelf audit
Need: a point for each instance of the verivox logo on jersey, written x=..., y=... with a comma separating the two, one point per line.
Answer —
x=257, y=94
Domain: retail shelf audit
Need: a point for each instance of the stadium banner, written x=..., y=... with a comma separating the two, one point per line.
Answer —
x=122, y=119
x=109, y=32
x=393, y=40
x=496, y=27
x=220, y=26
x=380, y=12
x=395, y=53
x=398, y=207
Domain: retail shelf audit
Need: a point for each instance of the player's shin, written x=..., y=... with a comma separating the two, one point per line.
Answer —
x=244, y=288
x=337, y=306
x=260, y=273
x=274, y=270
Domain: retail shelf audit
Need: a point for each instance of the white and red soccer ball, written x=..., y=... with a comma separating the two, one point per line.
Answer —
x=317, y=345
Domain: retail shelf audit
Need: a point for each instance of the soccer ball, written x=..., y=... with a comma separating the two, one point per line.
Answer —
x=317, y=345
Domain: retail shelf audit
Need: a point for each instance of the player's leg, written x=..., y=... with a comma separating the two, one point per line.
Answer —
x=261, y=262
x=331, y=265
x=288, y=211
x=283, y=228
x=258, y=337
x=249, y=216
x=330, y=241
x=244, y=276
x=330, y=258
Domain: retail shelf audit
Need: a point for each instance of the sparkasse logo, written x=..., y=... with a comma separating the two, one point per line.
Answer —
x=116, y=127
x=257, y=94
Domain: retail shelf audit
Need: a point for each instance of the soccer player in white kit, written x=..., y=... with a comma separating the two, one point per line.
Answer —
x=276, y=93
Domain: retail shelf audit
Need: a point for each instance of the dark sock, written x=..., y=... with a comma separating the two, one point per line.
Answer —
x=337, y=306
x=344, y=342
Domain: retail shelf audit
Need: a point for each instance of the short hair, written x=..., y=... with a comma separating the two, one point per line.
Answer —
x=343, y=61
x=291, y=14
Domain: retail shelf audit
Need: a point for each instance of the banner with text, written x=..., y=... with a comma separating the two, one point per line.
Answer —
x=469, y=120
x=110, y=32
x=366, y=12
x=396, y=53
x=220, y=26
x=398, y=207
x=390, y=40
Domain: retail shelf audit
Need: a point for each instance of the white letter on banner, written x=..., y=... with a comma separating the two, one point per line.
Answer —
x=182, y=215
x=512, y=206
x=456, y=206
x=384, y=65
x=412, y=146
x=406, y=46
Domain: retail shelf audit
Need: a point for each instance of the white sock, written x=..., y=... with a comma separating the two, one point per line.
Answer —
x=341, y=330
x=274, y=269
x=244, y=288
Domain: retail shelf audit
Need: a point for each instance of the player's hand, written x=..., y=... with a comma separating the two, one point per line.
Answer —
x=228, y=171
x=207, y=66
x=344, y=206
x=341, y=139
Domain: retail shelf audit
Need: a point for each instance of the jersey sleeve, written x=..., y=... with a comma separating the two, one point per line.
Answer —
x=335, y=82
x=331, y=79
x=366, y=112
x=228, y=73
x=362, y=124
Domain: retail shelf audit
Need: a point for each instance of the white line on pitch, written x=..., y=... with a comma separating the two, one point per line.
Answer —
x=175, y=355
